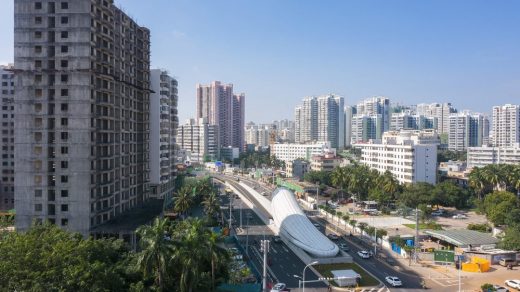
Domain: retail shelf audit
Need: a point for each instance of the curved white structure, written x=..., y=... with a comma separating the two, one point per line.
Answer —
x=297, y=228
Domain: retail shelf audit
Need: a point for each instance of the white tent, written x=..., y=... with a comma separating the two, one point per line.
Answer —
x=346, y=278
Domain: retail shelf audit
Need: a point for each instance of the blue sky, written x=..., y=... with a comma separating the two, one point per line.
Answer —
x=277, y=52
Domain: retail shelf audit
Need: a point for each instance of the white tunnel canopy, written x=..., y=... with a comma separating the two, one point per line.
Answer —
x=293, y=223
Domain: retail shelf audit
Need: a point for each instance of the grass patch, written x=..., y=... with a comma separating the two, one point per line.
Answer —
x=422, y=226
x=366, y=278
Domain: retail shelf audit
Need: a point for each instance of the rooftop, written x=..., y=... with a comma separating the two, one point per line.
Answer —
x=463, y=237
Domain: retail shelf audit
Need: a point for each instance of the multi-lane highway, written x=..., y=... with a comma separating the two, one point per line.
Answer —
x=284, y=264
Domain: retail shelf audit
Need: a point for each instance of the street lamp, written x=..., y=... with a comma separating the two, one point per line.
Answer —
x=303, y=282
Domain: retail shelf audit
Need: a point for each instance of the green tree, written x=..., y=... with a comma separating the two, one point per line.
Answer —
x=478, y=181
x=511, y=239
x=415, y=194
x=47, y=258
x=183, y=200
x=362, y=226
x=157, y=249
x=498, y=205
x=211, y=205
x=449, y=194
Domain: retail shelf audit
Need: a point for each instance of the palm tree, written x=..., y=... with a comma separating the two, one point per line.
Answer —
x=477, y=181
x=157, y=250
x=211, y=205
x=215, y=253
x=183, y=200
x=345, y=218
x=388, y=183
x=352, y=223
x=339, y=214
x=339, y=177
x=362, y=226
x=493, y=175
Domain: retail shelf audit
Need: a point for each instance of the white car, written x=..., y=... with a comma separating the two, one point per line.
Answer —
x=460, y=216
x=278, y=287
x=394, y=281
x=364, y=254
x=513, y=283
x=499, y=288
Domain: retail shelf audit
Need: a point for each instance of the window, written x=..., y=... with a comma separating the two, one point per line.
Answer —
x=64, y=49
x=64, y=178
x=38, y=193
x=37, y=5
x=64, y=121
x=64, y=150
x=64, y=5
x=38, y=207
x=64, y=78
x=64, y=193
x=38, y=64
x=38, y=20
x=64, y=221
x=64, y=92
x=64, y=63
x=64, y=136
x=38, y=92
x=64, y=20
x=64, y=208
x=64, y=107
x=37, y=34
x=38, y=78
x=64, y=34
x=64, y=164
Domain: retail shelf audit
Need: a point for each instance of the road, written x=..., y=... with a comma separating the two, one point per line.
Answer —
x=284, y=264
x=375, y=266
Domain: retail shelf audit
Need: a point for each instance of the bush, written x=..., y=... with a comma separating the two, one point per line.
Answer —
x=480, y=227
x=487, y=287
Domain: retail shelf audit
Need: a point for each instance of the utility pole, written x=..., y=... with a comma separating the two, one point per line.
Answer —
x=230, y=207
x=318, y=196
x=264, y=247
x=247, y=235
x=241, y=207
x=416, y=241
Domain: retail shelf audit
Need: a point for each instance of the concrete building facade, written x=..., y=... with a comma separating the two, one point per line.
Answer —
x=219, y=106
x=290, y=152
x=371, y=120
x=467, y=130
x=411, y=156
x=81, y=113
x=163, y=129
x=200, y=139
x=7, y=130
x=482, y=156
x=441, y=111
x=321, y=118
x=506, y=125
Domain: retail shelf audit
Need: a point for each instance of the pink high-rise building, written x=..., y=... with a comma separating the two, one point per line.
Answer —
x=217, y=103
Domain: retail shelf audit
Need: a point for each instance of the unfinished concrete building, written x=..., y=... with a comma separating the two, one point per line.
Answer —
x=7, y=134
x=81, y=113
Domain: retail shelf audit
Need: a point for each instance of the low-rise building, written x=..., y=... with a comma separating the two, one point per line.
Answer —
x=291, y=151
x=411, y=156
x=482, y=156
x=325, y=162
x=298, y=168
